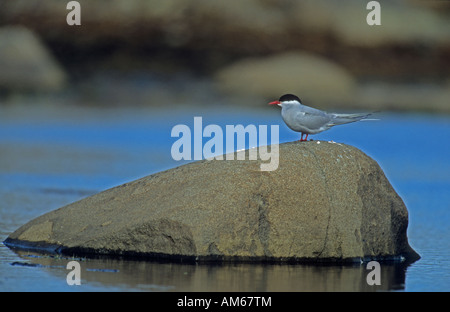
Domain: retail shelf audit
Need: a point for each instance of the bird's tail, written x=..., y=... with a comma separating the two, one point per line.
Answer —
x=339, y=119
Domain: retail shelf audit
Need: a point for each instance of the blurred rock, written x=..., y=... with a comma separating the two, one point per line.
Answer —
x=325, y=202
x=310, y=76
x=203, y=35
x=402, y=22
x=25, y=62
x=432, y=98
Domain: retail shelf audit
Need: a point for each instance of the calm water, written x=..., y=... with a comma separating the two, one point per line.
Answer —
x=51, y=157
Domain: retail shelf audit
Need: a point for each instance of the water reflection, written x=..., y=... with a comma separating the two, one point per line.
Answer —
x=243, y=277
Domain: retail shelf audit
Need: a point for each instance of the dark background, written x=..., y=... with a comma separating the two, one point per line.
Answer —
x=141, y=52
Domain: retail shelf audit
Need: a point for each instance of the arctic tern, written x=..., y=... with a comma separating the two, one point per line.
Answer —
x=308, y=120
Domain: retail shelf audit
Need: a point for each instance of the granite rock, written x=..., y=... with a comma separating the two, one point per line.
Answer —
x=326, y=202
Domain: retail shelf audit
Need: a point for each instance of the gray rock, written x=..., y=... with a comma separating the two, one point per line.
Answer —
x=25, y=62
x=325, y=202
x=309, y=75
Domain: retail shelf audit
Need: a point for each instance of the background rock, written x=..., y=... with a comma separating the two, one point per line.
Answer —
x=200, y=39
x=325, y=202
x=25, y=62
x=299, y=73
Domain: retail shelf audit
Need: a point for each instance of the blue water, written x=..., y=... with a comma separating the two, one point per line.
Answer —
x=51, y=156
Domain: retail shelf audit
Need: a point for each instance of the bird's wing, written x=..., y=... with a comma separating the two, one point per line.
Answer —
x=339, y=119
x=312, y=118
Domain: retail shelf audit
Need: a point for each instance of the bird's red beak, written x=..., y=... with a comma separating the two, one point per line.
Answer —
x=275, y=103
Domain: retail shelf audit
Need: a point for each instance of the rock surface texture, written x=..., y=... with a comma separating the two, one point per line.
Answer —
x=325, y=202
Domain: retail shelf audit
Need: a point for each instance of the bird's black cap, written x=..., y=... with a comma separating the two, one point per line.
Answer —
x=289, y=97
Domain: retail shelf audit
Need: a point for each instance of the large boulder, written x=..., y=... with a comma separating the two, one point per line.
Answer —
x=325, y=202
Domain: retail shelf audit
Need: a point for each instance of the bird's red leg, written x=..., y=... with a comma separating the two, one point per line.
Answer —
x=303, y=139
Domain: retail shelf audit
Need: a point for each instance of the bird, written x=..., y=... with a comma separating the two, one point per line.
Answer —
x=308, y=120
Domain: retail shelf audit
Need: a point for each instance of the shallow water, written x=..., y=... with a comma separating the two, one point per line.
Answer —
x=50, y=157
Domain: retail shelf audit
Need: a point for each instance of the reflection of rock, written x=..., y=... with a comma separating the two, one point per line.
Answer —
x=309, y=76
x=25, y=63
x=325, y=202
x=157, y=276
